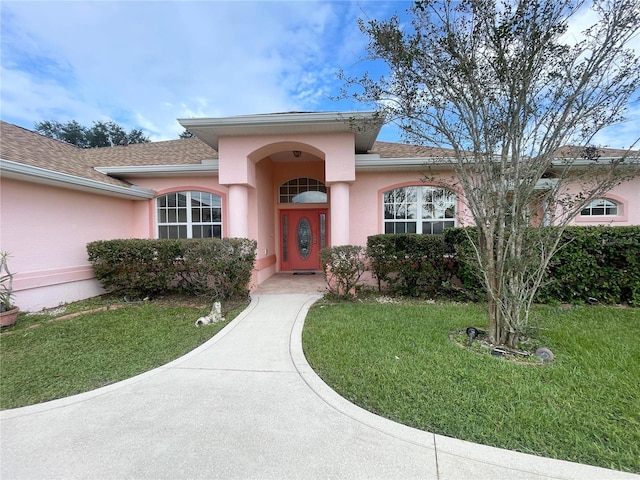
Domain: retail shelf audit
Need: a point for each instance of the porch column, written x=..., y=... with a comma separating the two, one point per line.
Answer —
x=238, y=211
x=340, y=224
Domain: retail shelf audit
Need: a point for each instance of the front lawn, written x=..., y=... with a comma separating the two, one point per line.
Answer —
x=399, y=362
x=49, y=355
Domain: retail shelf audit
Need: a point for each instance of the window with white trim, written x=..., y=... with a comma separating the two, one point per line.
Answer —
x=600, y=207
x=190, y=214
x=303, y=190
x=419, y=209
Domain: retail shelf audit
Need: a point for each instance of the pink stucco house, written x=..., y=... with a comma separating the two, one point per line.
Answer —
x=294, y=182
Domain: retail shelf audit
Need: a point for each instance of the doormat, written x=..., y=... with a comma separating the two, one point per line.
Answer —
x=304, y=273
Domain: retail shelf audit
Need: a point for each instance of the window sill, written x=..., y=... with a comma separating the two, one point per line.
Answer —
x=600, y=219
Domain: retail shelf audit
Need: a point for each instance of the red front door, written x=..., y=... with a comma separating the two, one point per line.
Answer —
x=303, y=234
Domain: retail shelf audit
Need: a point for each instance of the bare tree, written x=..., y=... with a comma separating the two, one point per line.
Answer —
x=502, y=86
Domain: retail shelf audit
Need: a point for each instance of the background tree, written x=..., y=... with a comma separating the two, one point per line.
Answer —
x=498, y=84
x=186, y=134
x=101, y=134
x=70, y=132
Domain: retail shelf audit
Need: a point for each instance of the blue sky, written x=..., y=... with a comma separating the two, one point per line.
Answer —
x=144, y=64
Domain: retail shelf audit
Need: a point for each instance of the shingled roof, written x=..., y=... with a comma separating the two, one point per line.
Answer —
x=579, y=152
x=404, y=150
x=185, y=151
x=20, y=145
x=23, y=146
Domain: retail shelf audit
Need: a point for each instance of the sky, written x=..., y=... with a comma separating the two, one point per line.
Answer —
x=144, y=64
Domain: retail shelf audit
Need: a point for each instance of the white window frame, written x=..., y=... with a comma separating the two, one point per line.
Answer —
x=188, y=222
x=413, y=209
x=603, y=203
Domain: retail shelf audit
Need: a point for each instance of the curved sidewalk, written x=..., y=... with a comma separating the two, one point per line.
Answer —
x=244, y=405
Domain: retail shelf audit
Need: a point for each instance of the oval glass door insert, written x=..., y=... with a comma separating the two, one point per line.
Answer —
x=304, y=238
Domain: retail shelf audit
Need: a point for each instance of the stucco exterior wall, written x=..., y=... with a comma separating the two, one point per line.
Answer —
x=627, y=196
x=265, y=214
x=46, y=230
x=283, y=172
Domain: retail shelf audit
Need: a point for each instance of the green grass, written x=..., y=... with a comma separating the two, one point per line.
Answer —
x=399, y=362
x=44, y=359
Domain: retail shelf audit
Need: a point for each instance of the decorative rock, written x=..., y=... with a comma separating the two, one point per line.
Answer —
x=544, y=354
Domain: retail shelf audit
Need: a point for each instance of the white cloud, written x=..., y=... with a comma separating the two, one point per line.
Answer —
x=144, y=64
x=587, y=17
x=623, y=135
x=626, y=133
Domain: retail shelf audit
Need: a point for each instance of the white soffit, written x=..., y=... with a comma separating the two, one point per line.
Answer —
x=365, y=126
x=206, y=168
x=373, y=162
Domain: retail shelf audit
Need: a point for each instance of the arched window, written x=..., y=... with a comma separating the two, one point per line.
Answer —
x=303, y=190
x=600, y=207
x=419, y=209
x=189, y=215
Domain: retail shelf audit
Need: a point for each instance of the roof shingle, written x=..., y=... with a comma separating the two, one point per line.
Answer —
x=404, y=150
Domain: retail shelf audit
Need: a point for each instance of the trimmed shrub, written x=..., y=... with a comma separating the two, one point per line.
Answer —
x=594, y=264
x=136, y=268
x=463, y=263
x=342, y=267
x=410, y=264
x=218, y=268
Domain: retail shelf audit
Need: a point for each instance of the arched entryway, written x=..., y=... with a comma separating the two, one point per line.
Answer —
x=257, y=153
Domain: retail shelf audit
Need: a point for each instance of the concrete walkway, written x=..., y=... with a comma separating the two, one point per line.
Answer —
x=244, y=405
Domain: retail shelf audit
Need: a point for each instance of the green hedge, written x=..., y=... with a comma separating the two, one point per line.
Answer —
x=594, y=264
x=465, y=267
x=136, y=268
x=410, y=264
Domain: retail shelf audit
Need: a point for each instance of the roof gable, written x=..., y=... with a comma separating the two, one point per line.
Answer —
x=364, y=125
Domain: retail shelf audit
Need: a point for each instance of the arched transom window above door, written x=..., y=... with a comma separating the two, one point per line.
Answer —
x=303, y=190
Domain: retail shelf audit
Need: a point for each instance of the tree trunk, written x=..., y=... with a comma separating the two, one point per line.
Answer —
x=493, y=321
